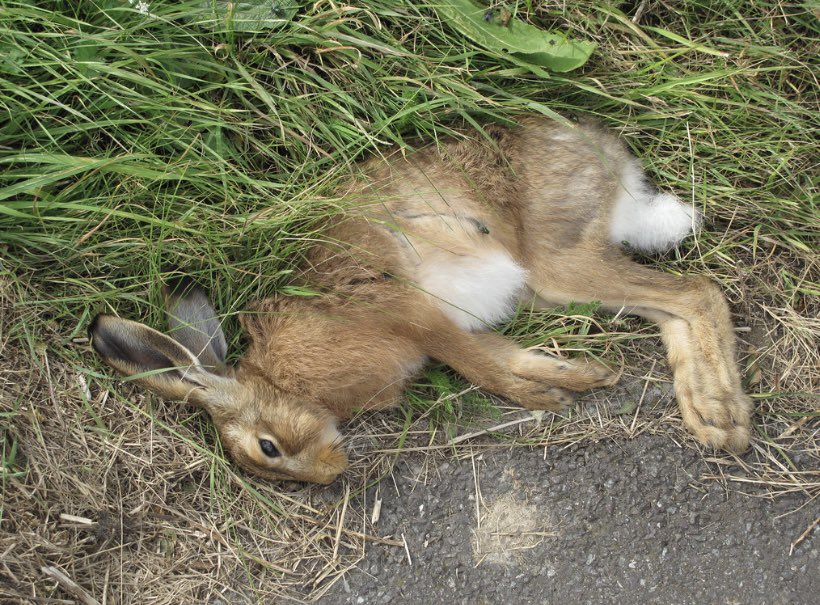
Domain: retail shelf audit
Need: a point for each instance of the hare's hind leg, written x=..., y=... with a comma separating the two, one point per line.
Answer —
x=695, y=326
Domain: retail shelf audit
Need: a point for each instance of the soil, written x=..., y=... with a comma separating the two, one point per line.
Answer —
x=608, y=522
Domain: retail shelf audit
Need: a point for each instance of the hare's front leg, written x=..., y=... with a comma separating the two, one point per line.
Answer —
x=695, y=325
x=535, y=381
x=572, y=374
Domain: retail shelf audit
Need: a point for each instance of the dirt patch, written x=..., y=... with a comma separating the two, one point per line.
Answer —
x=507, y=528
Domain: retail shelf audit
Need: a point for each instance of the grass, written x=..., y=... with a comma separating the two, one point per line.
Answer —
x=129, y=142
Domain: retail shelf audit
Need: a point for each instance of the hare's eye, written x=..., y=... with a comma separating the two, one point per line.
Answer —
x=268, y=447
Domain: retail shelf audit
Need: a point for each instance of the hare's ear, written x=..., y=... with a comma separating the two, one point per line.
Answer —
x=193, y=323
x=156, y=360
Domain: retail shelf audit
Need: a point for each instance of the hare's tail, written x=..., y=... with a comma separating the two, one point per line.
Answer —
x=648, y=220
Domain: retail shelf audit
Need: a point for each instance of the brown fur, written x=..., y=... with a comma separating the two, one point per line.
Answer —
x=539, y=193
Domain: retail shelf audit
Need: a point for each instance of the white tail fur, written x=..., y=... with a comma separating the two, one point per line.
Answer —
x=648, y=220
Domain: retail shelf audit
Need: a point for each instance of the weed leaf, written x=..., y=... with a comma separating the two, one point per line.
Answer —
x=253, y=15
x=521, y=43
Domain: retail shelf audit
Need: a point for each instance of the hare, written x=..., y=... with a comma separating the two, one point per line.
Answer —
x=439, y=247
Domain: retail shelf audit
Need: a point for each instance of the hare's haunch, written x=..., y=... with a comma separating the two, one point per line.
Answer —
x=437, y=248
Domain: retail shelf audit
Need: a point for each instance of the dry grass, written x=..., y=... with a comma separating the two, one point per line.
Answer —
x=111, y=496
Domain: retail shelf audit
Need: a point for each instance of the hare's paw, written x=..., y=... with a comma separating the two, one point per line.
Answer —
x=597, y=374
x=721, y=420
x=576, y=375
x=535, y=396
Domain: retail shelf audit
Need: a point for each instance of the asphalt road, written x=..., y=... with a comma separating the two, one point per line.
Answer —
x=625, y=522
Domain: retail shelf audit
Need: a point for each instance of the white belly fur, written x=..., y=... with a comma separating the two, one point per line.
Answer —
x=475, y=290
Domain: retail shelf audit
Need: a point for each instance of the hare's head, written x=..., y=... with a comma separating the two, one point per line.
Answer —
x=267, y=432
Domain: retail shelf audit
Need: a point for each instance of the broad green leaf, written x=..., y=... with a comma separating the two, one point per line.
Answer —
x=218, y=142
x=86, y=55
x=519, y=42
x=12, y=59
x=252, y=15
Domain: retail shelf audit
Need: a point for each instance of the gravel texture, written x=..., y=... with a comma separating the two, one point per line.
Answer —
x=612, y=522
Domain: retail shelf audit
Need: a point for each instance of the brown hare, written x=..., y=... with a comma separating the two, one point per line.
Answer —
x=438, y=248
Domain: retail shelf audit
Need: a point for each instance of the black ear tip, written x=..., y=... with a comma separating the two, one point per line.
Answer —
x=94, y=326
x=98, y=335
x=180, y=285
